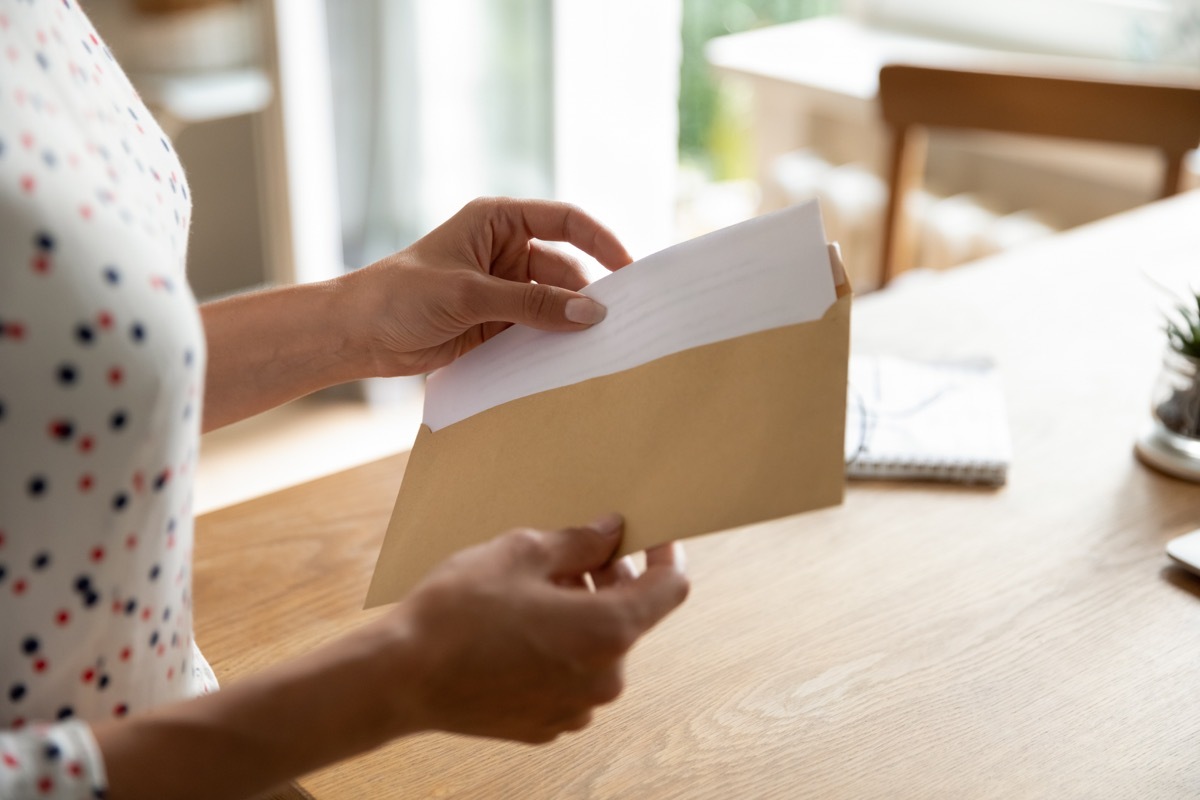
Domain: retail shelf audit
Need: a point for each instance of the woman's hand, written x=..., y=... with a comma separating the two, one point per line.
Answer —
x=500, y=640
x=485, y=268
x=507, y=641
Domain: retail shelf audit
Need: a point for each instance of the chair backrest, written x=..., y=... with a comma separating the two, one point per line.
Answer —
x=913, y=98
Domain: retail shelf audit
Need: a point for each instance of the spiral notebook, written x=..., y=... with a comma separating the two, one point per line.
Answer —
x=918, y=420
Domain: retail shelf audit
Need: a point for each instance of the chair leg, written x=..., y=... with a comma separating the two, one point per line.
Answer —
x=904, y=174
x=1172, y=175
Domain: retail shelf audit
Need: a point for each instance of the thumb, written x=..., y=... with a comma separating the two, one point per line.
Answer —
x=537, y=305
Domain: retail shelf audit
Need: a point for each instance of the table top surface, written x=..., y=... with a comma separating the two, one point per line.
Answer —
x=839, y=57
x=919, y=641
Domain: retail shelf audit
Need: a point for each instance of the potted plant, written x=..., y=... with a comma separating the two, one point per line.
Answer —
x=1173, y=442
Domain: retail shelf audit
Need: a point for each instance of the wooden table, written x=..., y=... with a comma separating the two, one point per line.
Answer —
x=920, y=641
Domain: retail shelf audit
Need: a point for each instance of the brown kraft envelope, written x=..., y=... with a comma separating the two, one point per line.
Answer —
x=722, y=435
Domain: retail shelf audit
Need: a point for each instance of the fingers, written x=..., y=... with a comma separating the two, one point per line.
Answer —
x=562, y=222
x=534, y=304
x=567, y=554
x=670, y=554
x=551, y=266
x=658, y=591
x=623, y=570
x=557, y=222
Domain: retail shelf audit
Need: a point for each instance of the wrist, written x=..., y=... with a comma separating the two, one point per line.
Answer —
x=392, y=681
x=359, y=305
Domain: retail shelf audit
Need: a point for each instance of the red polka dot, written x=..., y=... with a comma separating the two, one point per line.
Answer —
x=88, y=675
x=62, y=617
x=40, y=665
x=115, y=376
x=170, y=541
x=162, y=648
x=75, y=769
x=14, y=330
x=86, y=444
x=139, y=481
x=27, y=140
x=126, y=653
x=13, y=55
x=10, y=760
x=41, y=263
x=86, y=482
x=146, y=614
x=97, y=554
x=92, y=36
x=20, y=585
x=45, y=784
x=117, y=606
x=85, y=211
x=131, y=541
x=120, y=710
x=18, y=723
x=60, y=429
x=170, y=673
x=105, y=320
x=1, y=538
x=28, y=184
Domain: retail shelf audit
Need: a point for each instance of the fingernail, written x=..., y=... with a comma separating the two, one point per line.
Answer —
x=608, y=524
x=585, y=311
x=680, y=557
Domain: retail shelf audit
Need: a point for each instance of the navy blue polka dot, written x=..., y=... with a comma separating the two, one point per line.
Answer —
x=104, y=681
x=166, y=614
x=1, y=409
x=30, y=645
x=43, y=240
x=85, y=334
x=119, y=501
x=112, y=276
x=154, y=638
x=3, y=572
x=38, y=485
x=16, y=692
x=118, y=419
x=130, y=607
x=83, y=583
x=52, y=752
x=67, y=374
x=138, y=332
x=154, y=572
x=41, y=560
x=90, y=599
x=66, y=712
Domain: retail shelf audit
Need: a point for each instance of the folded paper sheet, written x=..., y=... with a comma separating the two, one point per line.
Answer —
x=712, y=396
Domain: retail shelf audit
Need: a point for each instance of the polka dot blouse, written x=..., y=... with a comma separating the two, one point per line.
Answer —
x=101, y=370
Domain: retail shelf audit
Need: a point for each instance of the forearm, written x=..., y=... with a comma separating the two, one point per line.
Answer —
x=266, y=348
x=264, y=730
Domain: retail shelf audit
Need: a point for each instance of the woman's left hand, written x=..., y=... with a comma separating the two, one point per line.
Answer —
x=484, y=269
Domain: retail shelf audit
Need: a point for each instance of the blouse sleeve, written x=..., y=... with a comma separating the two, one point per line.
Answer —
x=51, y=762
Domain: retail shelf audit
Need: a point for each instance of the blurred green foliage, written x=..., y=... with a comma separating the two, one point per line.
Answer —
x=712, y=133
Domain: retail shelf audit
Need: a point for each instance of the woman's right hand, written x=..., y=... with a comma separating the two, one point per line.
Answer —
x=506, y=641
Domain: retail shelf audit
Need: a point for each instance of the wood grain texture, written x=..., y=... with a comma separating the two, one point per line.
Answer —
x=921, y=641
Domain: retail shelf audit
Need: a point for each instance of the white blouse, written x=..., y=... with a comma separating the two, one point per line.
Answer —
x=101, y=378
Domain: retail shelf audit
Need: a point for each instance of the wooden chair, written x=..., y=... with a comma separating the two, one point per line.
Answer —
x=912, y=99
